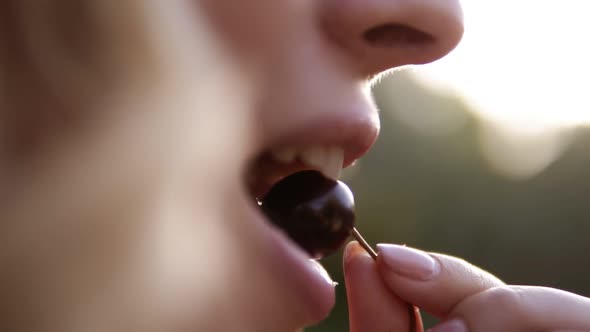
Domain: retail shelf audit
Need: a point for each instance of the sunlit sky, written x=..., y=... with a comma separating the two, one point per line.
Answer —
x=522, y=63
x=524, y=67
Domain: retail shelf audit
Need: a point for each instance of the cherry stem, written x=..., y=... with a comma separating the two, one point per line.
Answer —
x=413, y=311
x=357, y=236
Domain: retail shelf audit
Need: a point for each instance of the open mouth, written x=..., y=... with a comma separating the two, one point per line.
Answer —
x=272, y=165
x=299, y=193
x=293, y=245
x=316, y=143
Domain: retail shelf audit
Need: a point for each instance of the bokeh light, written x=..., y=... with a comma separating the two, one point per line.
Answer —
x=523, y=68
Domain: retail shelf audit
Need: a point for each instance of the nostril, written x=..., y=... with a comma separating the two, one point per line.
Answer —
x=394, y=35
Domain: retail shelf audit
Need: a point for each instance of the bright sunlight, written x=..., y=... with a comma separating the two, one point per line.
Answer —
x=524, y=67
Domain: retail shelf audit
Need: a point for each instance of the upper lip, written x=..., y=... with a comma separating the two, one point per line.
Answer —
x=353, y=130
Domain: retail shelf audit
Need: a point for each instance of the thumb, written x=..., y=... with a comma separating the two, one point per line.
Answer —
x=435, y=283
x=371, y=305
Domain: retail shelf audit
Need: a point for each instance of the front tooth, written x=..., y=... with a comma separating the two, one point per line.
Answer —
x=334, y=160
x=327, y=159
x=314, y=156
x=284, y=155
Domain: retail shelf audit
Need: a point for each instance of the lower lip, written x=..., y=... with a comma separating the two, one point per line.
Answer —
x=308, y=278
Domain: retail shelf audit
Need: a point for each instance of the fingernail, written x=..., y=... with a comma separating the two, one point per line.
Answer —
x=455, y=325
x=408, y=262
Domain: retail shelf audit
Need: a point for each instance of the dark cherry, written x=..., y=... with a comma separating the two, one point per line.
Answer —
x=316, y=212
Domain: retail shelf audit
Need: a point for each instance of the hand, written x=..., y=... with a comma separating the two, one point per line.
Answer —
x=465, y=297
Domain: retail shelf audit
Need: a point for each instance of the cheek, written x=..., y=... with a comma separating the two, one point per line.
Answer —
x=190, y=245
x=207, y=263
x=256, y=30
x=133, y=218
x=129, y=219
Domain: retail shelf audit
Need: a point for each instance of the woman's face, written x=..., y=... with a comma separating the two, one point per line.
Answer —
x=310, y=63
x=158, y=229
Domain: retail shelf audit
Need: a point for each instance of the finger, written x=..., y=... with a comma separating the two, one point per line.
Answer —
x=433, y=282
x=521, y=308
x=372, y=307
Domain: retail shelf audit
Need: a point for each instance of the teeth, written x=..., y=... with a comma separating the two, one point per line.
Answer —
x=315, y=156
x=327, y=160
x=284, y=155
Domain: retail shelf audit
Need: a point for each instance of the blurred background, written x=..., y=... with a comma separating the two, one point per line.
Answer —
x=486, y=154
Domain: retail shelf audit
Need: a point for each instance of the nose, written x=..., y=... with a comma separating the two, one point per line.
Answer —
x=383, y=34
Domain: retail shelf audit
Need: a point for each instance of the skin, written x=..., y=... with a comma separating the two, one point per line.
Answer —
x=338, y=63
x=118, y=229
x=463, y=296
